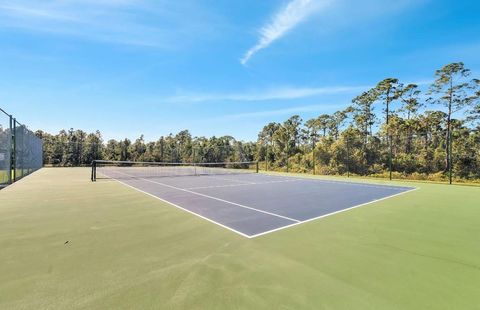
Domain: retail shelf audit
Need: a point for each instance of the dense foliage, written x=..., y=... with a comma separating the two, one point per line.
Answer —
x=418, y=134
x=77, y=148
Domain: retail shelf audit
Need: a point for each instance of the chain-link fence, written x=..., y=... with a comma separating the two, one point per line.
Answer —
x=404, y=155
x=5, y=148
x=416, y=156
x=28, y=151
x=21, y=152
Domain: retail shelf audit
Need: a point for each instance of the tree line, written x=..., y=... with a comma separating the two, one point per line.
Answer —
x=393, y=129
x=78, y=148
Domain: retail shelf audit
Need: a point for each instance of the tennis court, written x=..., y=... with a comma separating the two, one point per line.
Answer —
x=243, y=200
x=107, y=246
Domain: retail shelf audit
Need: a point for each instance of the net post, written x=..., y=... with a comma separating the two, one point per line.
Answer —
x=94, y=171
x=194, y=162
x=256, y=166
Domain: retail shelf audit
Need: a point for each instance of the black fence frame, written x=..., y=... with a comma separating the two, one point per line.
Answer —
x=12, y=169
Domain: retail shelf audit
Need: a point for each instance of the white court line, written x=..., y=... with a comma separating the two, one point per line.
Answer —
x=343, y=182
x=291, y=178
x=236, y=185
x=272, y=230
x=214, y=198
x=177, y=206
x=329, y=214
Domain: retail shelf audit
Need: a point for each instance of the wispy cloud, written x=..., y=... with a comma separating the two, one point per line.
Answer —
x=283, y=21
x=279, y=93
x=129, y=22
x=282, y=93
x=286, y=111
x=303, y=111
x=330, y=16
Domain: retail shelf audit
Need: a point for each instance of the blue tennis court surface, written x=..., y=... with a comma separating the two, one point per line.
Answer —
x=256, y=204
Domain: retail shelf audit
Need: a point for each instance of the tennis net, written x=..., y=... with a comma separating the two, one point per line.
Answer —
x=102, y=169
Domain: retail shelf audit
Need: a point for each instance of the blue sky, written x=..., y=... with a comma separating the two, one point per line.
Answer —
x=131, y=67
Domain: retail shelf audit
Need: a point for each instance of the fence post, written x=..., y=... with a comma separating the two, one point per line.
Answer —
x=389, y=140
x=10, y=161
x=450, y=157
x=266, y=160
x=288, y=142
x=313, y=158
x=14, y=151
x=348, y=158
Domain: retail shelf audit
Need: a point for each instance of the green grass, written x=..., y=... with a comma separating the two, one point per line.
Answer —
x=127, y=250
